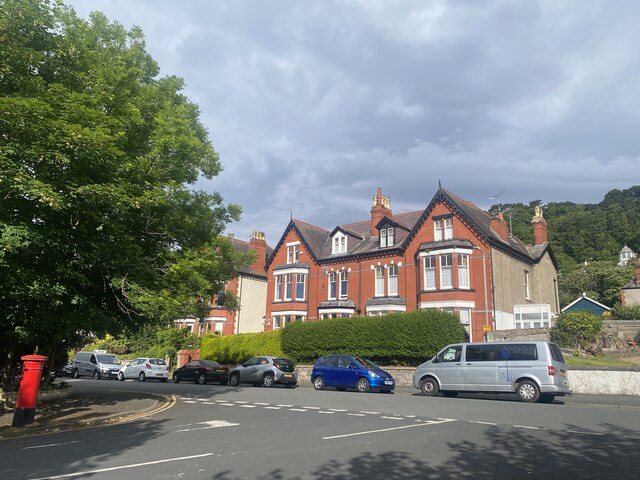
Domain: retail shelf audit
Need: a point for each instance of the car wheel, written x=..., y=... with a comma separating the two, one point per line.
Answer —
x=547, y=398
x=96, y=375
x=429, y=387
x=450, y=394
x=121, y=376
x=176, y=378
x=141, y=377
x=318, y=383
x=362, y=385
x=74, y=373
x=234, y=379
x=528, y=391
x=267, y=380
x=201, y=379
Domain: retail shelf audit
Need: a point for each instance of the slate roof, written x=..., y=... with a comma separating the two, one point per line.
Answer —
x=243, y=246
x=361, y=243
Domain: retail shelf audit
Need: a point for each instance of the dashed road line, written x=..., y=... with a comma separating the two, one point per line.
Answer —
x=247, y=406
x=297, y=410
x=391, y=418
x=387, y=429
x=273, y=408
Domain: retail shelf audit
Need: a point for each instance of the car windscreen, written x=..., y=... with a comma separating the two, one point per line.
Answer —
x=210, y=363
x=284, y=364
x=366, y=363
x=157, y=361
x=107, y=359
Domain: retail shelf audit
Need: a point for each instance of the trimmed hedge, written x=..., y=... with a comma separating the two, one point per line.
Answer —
x=241, y=347
x=397, y=339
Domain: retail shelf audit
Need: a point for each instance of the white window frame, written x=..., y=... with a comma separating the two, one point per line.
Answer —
x=383, y=237
x=527, y=292
x=301, y=278
x=437, y=230
x=293, y=253
x=339, y=244
x=277, y=297
x=393, y=280
x=448, y=228
x=446, y=268
x=428, y=270
x=391, y=234
x=463, y=271
x=532, y=315
x=332, y=284
x=344, y=281
x=379, y=277
x=288, y=286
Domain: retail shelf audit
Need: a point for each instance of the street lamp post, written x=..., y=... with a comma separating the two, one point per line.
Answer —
x=484, y=279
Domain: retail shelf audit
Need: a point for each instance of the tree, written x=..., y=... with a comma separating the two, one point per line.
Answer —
x=576, y=330
x=99, y=230
x=600, y=280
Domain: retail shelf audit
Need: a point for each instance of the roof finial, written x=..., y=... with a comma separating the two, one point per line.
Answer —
x=291, y=217
x=439, y=184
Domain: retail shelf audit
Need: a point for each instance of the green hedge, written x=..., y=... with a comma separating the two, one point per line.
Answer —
x=241, y=347
x=397, y=339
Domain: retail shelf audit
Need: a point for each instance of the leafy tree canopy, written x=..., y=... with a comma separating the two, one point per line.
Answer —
x=99, y=230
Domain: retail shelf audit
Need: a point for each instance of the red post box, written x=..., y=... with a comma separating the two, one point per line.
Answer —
x=28, y=391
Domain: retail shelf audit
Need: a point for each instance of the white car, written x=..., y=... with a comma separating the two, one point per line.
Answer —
x=145, y=368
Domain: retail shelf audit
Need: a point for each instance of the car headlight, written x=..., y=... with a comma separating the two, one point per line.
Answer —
x=373, y=374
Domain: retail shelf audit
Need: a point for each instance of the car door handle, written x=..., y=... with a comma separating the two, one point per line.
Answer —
x=467, y=363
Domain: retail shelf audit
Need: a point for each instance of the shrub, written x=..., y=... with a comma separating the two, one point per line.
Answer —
x=576, y=330
x=625, y=312
x=241, y=347
x=397, y=339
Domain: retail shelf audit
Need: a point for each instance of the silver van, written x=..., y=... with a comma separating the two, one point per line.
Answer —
x=535, y=371
x=97, y=364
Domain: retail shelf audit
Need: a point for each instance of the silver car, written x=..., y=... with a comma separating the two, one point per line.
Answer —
x=266, y=371
x=145, y=368
x=535, y=371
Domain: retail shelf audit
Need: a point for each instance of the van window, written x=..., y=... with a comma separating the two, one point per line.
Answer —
x=482, y=353
x=556, y=353
x=93, y=359
x=451, y=354
x=518, y=351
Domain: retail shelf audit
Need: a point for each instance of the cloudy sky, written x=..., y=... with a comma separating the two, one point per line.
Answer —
x=313, y=105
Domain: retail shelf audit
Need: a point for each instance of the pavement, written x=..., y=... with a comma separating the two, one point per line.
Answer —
x=63, y=409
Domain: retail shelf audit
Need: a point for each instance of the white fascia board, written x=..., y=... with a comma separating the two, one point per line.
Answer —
x=386, y=308
x=285, y=271
x=448, y=303
x=444, y=251
x=289, y=312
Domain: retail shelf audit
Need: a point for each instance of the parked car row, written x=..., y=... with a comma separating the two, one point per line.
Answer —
x=534, y=370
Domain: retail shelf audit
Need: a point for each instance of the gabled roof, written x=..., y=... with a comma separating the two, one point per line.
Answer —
x=318, y=240
x=584, y=298
x=626, y=249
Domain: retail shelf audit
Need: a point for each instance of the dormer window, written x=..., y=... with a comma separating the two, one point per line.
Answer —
x=339, y=244
x=387, y=237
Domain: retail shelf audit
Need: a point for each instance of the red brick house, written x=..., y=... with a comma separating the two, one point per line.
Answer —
x=250, y=286
x=451, y=256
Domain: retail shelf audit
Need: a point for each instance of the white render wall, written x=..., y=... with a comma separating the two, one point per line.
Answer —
x=253, y=301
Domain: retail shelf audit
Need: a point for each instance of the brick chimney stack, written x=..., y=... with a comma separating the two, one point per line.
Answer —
x=539, y=228
x=258, y=244
x=499, y=225
x=381, y=208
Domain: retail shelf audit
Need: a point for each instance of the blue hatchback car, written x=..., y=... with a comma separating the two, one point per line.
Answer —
x=345, y=371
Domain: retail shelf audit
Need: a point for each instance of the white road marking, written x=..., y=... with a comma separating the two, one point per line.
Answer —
x=483, y=423
x=323, y=411
x=356, y=414
x=50, y=445
x=273, y=408
x=190, y=401
x=210, y=424
x=122, y=467
x=240, y=401
x=297, y=410
x=315, y=408
x=370, y=413
x=410, y=416
x=209, y=403
x=586, y=433
x=392, y=418
x=528, y=427
x=337, y=410
x=287, y=406
x=247, y=406
x=388, y=429
x=261, y=403
x=228, y=404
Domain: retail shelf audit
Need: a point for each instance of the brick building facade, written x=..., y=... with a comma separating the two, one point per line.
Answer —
x=450, y=256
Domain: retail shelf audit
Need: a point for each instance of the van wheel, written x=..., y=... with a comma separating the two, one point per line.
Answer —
x=528, y=391
x=318, y=383
x=74, y=373
x=96, y=375
x=429, y=387
x=450, y=393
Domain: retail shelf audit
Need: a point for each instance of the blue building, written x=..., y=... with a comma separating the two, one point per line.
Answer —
x=585, y=303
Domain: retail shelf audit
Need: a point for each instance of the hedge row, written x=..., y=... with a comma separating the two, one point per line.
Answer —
x=239, y=348
x=397, y=339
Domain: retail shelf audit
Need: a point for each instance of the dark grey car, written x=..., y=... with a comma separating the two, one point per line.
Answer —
x=266, y=371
